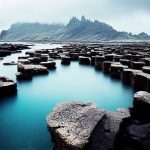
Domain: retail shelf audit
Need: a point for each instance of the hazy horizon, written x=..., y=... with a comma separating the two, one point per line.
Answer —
x=130, y=15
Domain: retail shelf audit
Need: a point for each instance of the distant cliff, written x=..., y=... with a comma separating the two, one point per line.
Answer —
x=76, y=30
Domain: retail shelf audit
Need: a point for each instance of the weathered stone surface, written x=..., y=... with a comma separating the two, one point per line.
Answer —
x=74, y=56
x=49, y=64
x=117, y=58
x=134, y=131
x=127, y=75
x=72, y=123
x=104, y=134
x=24, y=61
x=141, y=106
x=133, y=135
x=7, y=87
x=28, y=71
x=4, y=53
x=84, y=126
x=65, y=60
x=106, y=66
x=137, y=65
x=99, y=62
x=7, y=49
x=141, y=82
x=146, y=69
x=116, y=70
x=125, y=62
x=39, y=69
x=146, y=60
x=84, y=60
x=10, y=63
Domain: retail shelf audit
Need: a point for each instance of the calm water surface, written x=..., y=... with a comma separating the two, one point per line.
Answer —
x=22, y=117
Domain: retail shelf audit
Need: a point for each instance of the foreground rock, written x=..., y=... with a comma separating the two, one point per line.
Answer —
x=82, y=126
x=7, y=87
x=134, y=132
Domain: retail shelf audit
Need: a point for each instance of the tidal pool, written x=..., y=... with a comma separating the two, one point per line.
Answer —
x=23, y=116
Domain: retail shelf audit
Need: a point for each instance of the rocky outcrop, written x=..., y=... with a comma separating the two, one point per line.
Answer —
x=83, y=126
x=141, y=82
x=141, y=107
x=7, y=87
x=84, y=60
x=104, y=134
x=49, y=64
x=146, y=69
x=134, y=132
x=99, y=62
x=65, y=60
x=116, y=70
x=8, y=49
x=27, y=71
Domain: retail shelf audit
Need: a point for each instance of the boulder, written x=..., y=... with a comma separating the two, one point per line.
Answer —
x=7, y=87
x=24, y=61
x=146, y=69
x=141, y=106
x=99, y=62
x=116, y=70
x=136, y=57
x=134, y=131
x=104, y=134
x=137, y=65
x=127, y=56
x=93, y=60
x=141, y=81
x=30, y=53
x=127, y=75
x=125, y=62
x=106, y=66
x=23, y=76
x=25, y=72
x=109, y=57
x=117, y=58
x=44, y=57
x=49, y=64
x=72, y=123
x=146, y=60
x=10, y=63
x=84, y=60
x=74, y=56
x=39, y=69
x=4, y=53
x=28, y=71
x=65, y=60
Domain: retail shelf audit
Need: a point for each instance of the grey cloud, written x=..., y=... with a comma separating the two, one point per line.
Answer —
x=48, y=11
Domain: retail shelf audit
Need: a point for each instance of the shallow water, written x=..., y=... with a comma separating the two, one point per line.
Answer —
x=22, y=117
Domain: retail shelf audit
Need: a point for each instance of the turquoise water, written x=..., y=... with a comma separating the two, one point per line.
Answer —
x=22, y=117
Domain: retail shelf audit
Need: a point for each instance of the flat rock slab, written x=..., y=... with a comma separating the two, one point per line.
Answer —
x=71, y=124
x=7, y=87
x=83, y=126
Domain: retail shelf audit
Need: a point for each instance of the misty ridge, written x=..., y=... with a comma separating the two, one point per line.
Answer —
x=76, y=30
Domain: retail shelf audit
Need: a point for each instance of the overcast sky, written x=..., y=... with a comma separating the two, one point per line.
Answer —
x=124, y=15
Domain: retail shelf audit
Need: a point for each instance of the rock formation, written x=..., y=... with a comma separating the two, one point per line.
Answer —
x=83, y=126
x=7, y=87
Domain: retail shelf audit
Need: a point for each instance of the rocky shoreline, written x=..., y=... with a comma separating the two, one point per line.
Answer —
x=85, y=126
x=8, y=49
x=129, y=62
